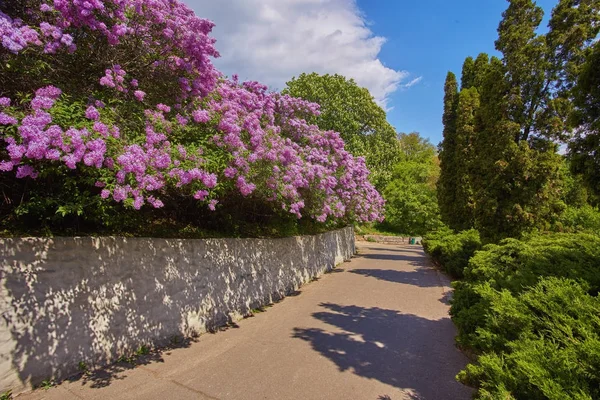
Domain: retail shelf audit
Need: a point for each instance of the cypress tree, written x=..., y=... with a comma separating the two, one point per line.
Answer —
x=466, y=130
x=467, y=79
x=447, y=153
x=481, y=66
x=516, y=186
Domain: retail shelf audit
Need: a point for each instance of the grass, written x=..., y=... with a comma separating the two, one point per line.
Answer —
x=6, y=395
x=47, y=384
x=142, y=351
x=126, y=359
x=83, y=367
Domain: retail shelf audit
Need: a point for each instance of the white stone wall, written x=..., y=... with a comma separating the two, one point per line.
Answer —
x=70, y=300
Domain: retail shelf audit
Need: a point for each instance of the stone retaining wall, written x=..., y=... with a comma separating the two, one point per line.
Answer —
x=69, y=300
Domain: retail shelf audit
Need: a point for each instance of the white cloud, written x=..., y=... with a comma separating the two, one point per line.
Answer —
x=412, y=83
x=273, y=40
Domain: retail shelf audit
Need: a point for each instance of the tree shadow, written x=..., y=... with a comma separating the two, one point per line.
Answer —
x=399, y=249
x=402, y=350
x=447, y=298
x=103, y=377
x=420, y=259
x=420, y=277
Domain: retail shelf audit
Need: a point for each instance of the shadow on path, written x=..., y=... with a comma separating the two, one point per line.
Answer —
x=395, y=257
x=399, y=249
x=103, y=377
x=419, y=277
x=402, y=350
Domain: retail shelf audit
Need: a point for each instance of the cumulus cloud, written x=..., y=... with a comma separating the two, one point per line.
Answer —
x=273, y=40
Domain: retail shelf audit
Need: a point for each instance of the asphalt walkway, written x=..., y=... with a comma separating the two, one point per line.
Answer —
x=376, y=329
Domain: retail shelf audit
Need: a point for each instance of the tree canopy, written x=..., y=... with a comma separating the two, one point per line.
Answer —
x=411, y=203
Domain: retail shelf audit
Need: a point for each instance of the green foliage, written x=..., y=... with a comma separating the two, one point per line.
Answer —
x=473, y=71
x=500, y=171
x=47, y=384
x=460, y=210
x=575, y=192
x=583, y=150
x=451, y=250
x=515, y=191
x=60, y=202
x=142, y=350
x=351, y=110
x=448, y=154
x=579, y=219
x=83, y=367
x=455, y=194
x=530, y=310
x=468, y=73
x=551, y=344
x=6, y=395
x=411, y=204
x=515, y=181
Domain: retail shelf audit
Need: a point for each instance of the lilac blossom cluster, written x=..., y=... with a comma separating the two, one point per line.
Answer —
x=15, y=36
x=160, y=26
x=309, y=171
x=272, y=153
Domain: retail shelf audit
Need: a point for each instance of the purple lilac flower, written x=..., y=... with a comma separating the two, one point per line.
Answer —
x=51, y=92
x=92, y=113
x=139, y=95
x=6, y=166
x=201, y=195
x=201, y=116
x=42, y=103
x=26, y=170
x=6, y=119
x=163, y=108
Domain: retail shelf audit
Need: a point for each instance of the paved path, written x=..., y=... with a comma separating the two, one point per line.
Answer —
x=378, y=329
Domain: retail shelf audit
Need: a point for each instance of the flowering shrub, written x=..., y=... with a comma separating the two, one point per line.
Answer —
x=123, y=94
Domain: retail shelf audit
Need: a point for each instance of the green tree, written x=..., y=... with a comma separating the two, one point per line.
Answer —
x=455, y=193
x=516, y=183
x=468, y=105
x=467, y=79
x=411, y=206
x=473, y=71
x=481, y=67
x=414, y=147
x=583, y=150
x=508, y=140
x=448, y=153
x=351, y=110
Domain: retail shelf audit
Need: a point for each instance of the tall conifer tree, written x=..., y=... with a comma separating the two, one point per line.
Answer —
x=448, y=155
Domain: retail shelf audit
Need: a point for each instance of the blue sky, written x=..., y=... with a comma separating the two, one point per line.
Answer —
x=428, y=39
x=400, y=50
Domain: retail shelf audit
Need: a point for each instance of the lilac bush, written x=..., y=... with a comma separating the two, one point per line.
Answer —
x=163, y=120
